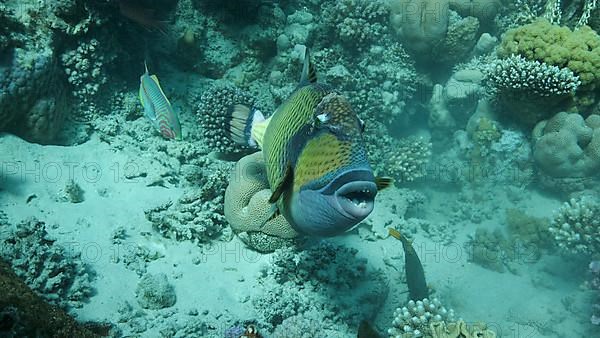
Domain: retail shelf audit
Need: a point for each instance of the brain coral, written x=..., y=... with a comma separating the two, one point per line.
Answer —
x=248, y=210
x=567, y=145
x=579, y=50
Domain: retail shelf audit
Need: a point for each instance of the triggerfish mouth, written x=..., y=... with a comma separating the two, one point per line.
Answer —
x=158, y=108
x=315, y=157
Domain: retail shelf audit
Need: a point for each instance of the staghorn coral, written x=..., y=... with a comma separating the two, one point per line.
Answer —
x=212, y=114
x=566, y=145
x=576, y=225
x=247, y=207
x=54, y=272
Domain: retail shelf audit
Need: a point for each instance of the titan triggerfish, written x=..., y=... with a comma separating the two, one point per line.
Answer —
x=316, y=160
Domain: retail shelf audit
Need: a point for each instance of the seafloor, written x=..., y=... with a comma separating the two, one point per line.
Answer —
x=486, y=115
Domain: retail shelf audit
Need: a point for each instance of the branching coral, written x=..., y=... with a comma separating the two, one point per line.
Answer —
x=517, y=76
x=405, y=160
x=212, y=114
x=576, y=225
x=357, y=22
x=55, y=272
x=542, y=41
x=198, y=215
x=413, y=319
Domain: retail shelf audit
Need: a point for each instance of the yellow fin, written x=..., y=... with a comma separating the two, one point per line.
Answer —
x=283, y=185
x=395, y=233
x=258, y=131
x=383, y=182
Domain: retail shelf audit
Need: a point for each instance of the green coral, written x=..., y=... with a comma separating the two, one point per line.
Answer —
x=579, y=50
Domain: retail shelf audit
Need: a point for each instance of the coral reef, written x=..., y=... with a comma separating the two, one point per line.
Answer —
x=24, y=314
x=420, y=24
x=576, y=225
x=578, y=50
x=413, y=320
x=154, y=292
x=248, y=210
x=212, y=114
x=32, y=97
x=405, y=159
x=517, y=76
x=54, y=272
x=530, y=90
x=357, y=23
x=566, y=145
x=198, y=214
x=319, y=279
x=85, y=66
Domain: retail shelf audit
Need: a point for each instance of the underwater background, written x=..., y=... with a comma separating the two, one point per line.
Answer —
x=126, y=211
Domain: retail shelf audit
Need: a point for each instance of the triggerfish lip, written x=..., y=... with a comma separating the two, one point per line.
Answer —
x=356, y=199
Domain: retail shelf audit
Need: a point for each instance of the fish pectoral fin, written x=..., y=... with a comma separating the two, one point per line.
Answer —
x=274, y=215
x=283, y=185
x=383, y=182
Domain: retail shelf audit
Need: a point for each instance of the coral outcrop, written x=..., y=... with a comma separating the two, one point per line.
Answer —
x=576, y=225
x=25, y=314
x=213, y=115
x=55, y=272
x=428, y=318
x=248, y=210
x=155, y=292
x=567, y=145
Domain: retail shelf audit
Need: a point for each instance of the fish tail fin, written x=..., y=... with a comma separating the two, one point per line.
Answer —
x=244, y=125
x=309, y=72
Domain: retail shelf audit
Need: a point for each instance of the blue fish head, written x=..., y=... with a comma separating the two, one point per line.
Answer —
x=345, y=201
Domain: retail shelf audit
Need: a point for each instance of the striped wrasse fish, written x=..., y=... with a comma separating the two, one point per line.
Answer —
x=158, y=108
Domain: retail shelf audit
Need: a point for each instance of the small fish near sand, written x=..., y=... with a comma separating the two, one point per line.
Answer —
x=415, y=275
x=158, y=108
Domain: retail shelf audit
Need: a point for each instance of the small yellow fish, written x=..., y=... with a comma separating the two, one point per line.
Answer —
x=315, y=156
x=158, y=108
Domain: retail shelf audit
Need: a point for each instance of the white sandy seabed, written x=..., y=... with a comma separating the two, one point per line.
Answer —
x=542, y=299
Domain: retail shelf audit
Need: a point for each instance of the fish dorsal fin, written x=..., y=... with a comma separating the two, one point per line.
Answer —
x=283, y=185
x=383, y=182
x=309, y=72
x=146, y=66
